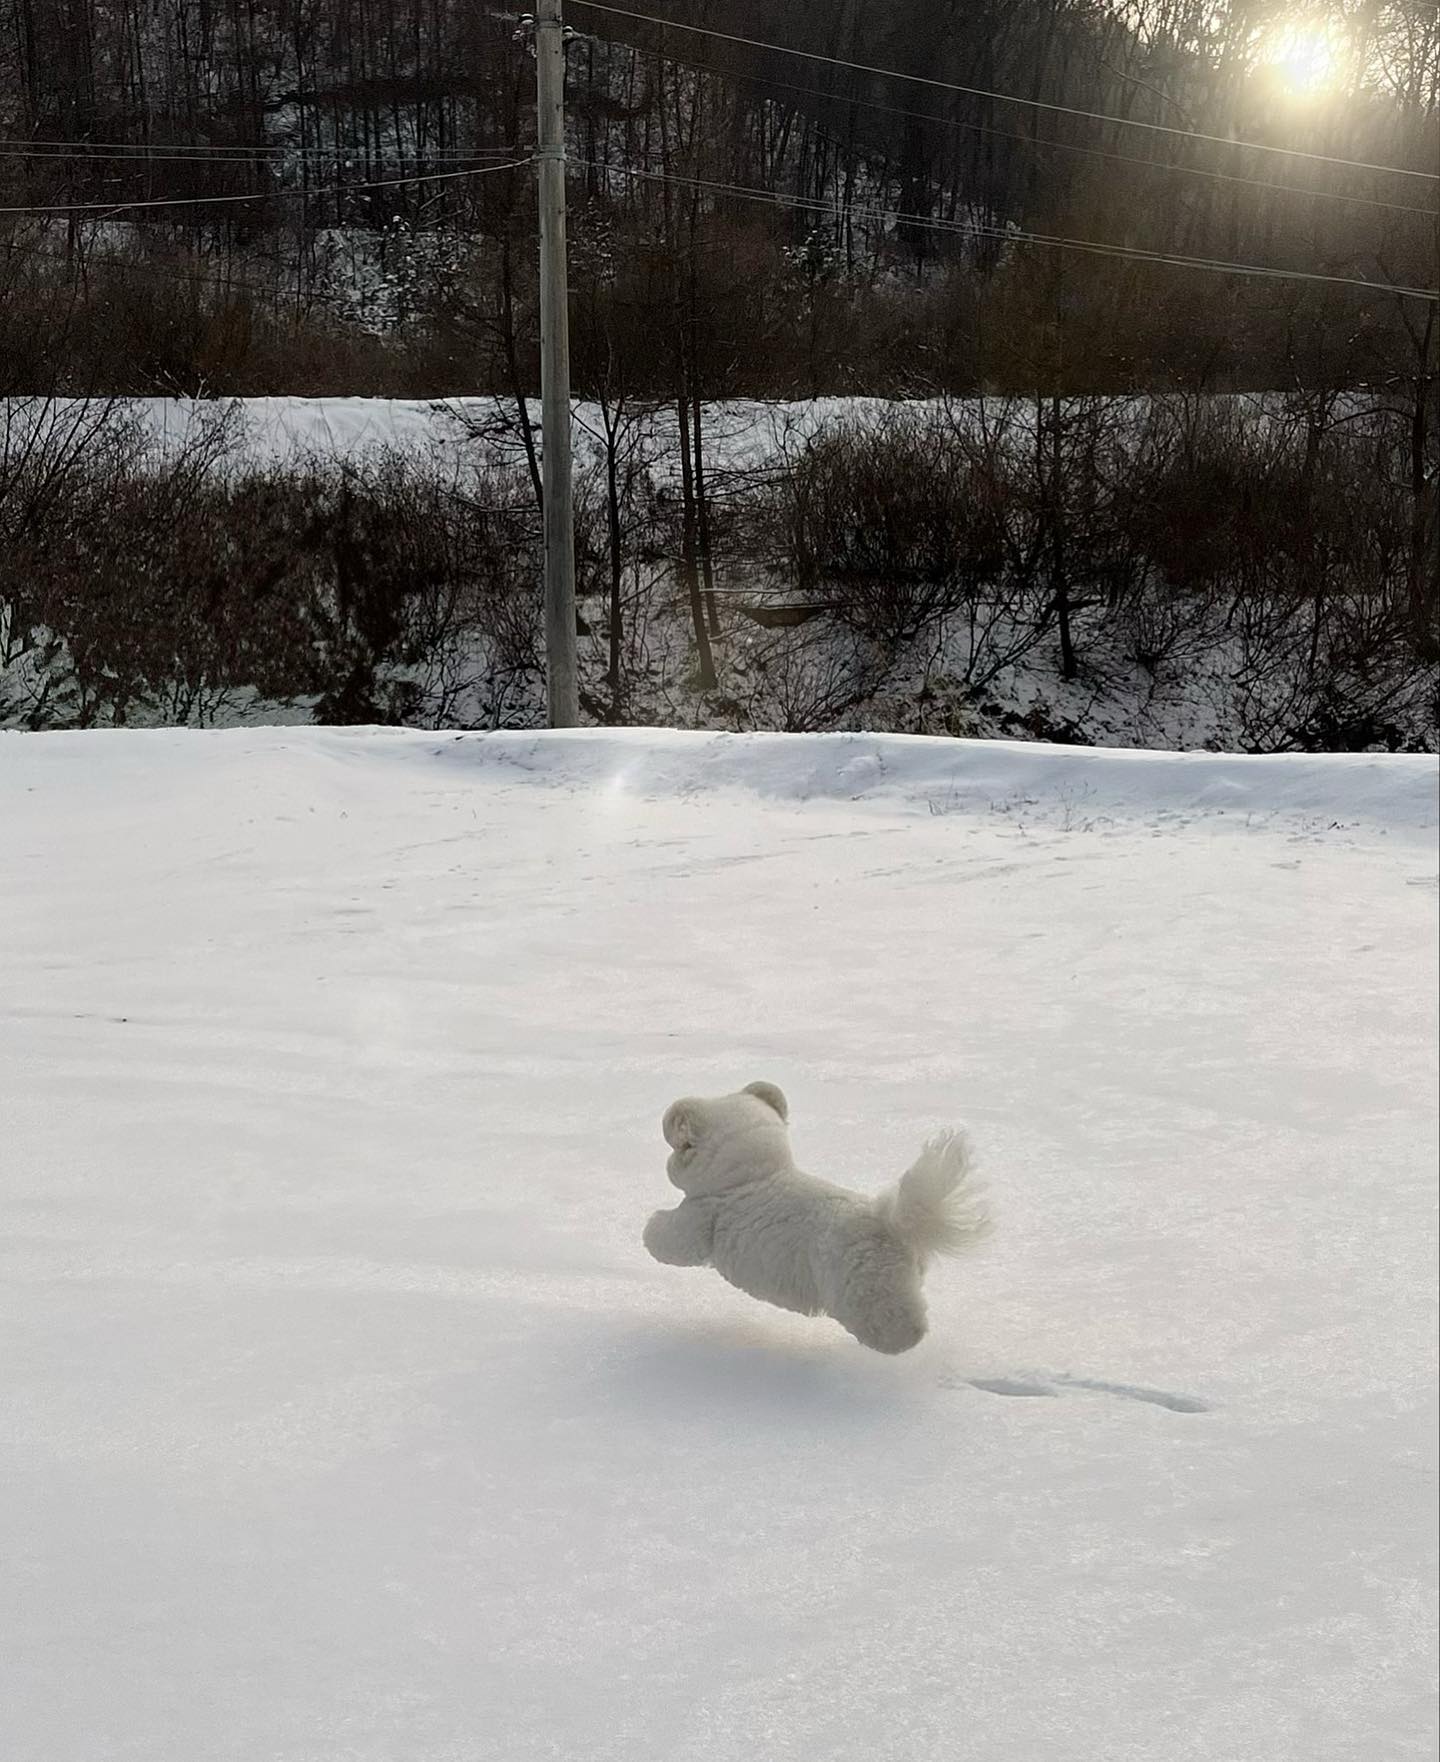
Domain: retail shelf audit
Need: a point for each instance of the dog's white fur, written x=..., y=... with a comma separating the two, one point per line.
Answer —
x=801, y=1243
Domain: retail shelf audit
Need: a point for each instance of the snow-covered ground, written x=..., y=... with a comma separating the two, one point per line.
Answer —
x=345, y=1417
x=743, y=434
x=289, y=431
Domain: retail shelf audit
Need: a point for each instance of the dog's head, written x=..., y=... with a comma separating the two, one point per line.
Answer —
x=722, y=1142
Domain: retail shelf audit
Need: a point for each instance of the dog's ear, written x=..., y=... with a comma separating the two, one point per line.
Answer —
x=771, y=1096
x=681, y=1125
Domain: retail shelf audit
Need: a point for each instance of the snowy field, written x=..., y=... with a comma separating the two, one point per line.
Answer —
x=743, y=434
x=344, y=1416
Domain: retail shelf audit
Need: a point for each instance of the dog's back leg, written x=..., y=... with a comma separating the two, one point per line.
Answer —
x=877, y=1298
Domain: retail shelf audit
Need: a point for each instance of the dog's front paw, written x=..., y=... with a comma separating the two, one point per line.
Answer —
x=677, y=1239
x=654, y=1237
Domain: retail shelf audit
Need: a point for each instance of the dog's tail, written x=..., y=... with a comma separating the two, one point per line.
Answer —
x=936, y=1207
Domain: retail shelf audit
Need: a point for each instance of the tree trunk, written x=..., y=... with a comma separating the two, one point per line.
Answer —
x=1423, y=571
x=702, y=516
x=512, y=363
x=617, y=561
x=689, y=568
x=1059, y=578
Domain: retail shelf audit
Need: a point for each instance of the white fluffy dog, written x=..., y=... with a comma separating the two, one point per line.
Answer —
x=801, y=1243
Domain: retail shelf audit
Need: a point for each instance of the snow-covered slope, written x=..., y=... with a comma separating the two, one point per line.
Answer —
x=344, y=1416
x=289, y=430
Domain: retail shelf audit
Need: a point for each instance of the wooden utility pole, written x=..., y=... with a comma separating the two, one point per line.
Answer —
x=562, y=680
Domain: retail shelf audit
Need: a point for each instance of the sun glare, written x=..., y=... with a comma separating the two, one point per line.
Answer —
x=1304, y=59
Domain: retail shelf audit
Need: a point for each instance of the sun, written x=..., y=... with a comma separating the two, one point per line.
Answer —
x=1304, y=60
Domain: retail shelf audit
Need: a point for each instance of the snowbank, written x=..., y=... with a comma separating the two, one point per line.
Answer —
x=1396, y=793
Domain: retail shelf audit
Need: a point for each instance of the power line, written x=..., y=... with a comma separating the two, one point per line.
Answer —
x=971, y=229
x=955, y=122
x=105, y=209
x=140, y=153
x=999, y=97
x=1007, y=235
x=196, y=277
x=143, y=153
x=961, y=228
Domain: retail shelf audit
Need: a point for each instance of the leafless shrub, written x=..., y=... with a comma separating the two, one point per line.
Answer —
x=885, y=520
x=1284, y=544
x=156, y=587
x=802, y=681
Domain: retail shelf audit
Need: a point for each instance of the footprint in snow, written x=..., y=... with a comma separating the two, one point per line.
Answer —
x=1054, y=1386
x=1004, y=1386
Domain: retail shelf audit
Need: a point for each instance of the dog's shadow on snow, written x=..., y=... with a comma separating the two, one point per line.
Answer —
x=761, y=1374
x=748, y=1373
